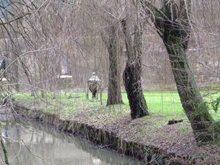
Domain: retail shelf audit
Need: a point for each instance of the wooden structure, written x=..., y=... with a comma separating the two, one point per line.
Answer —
x=94, y=84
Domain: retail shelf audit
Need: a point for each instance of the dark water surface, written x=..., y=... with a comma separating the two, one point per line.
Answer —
x=34, y=143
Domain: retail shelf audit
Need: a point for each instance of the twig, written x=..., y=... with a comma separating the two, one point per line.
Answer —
x=5, y=152
x=15, y=19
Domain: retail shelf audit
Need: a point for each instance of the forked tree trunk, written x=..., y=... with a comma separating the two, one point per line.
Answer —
x=174, y=29
x=114, y=84
x=132, y=73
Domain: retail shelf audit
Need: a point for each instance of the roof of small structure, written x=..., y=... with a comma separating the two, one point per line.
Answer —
x=94, y=77
x=64, y=76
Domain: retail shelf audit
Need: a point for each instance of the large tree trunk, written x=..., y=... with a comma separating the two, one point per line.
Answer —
x=132, y=82
x=132, y=73
x=113, y=45
x=191, y=99
x=174, y=29
x=114, y=83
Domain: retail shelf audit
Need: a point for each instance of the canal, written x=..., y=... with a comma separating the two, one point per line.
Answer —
x=34, y=143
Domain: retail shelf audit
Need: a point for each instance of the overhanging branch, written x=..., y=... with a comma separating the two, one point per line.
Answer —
x=15, y=19
x=156, y=15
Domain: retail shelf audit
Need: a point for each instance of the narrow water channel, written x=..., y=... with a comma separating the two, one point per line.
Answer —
x=34, y=143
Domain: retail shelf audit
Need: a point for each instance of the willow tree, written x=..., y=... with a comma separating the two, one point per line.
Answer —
x=13, y=25
x=132, y=72
x=173, y=25
x=113, y=45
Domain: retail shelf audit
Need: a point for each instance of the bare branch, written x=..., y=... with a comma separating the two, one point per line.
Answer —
x=15, y=19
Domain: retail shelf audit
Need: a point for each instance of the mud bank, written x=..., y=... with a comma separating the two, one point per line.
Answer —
x=146, y=153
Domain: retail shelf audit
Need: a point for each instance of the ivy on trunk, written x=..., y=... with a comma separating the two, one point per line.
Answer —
x=173, y=26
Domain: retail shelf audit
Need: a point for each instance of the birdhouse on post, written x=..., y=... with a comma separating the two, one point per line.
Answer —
x=94, y=84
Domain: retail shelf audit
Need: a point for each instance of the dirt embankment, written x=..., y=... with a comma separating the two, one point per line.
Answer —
x=172, y=144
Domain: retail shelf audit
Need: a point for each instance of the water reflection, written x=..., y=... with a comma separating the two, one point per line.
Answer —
x=37, y=144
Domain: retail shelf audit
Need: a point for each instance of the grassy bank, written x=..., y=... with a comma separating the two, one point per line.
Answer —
x=165, y=103
x=149, y=130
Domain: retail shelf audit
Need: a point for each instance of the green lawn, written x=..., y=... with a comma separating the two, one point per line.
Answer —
x=166, y=103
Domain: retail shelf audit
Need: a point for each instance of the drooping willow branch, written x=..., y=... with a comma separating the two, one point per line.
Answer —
x=15, y=19
x=5, y=151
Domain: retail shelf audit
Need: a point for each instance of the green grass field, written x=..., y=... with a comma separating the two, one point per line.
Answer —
x=166, y=103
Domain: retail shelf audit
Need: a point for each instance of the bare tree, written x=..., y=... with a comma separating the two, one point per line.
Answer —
x=132, y=72
x=173, y=25
x=111, y=37
x=114, y=49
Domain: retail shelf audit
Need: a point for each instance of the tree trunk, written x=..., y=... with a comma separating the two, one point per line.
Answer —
x=114, y=82
x=174, y=29
x=132, y=82
x=113, y=45
x=132, y=73
x=191, y=99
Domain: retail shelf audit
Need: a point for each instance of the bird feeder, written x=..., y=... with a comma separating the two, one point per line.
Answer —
x=94, y=84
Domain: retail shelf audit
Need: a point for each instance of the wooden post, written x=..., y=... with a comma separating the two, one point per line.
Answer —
x=87, y=94
x=100, y=94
